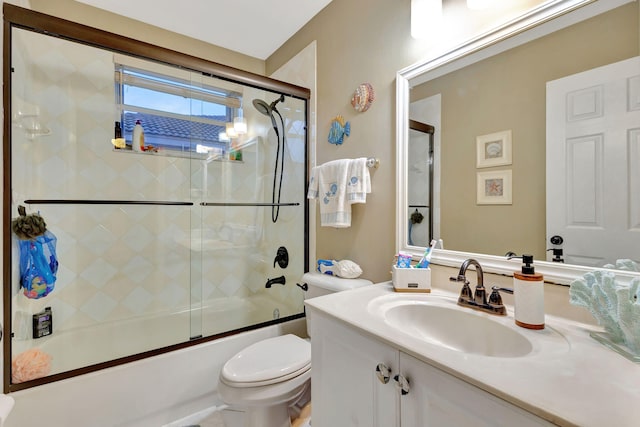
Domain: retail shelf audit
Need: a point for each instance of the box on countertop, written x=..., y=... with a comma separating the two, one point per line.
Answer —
x=411, y=279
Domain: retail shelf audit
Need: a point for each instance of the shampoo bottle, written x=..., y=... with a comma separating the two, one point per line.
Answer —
x=137, y=141
x=528, y=293
x=117, y=130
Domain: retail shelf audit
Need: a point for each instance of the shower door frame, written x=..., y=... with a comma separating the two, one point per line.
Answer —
x=17, y=17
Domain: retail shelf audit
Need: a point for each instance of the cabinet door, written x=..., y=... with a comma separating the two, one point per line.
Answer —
x=437, y=399
x=345, y=389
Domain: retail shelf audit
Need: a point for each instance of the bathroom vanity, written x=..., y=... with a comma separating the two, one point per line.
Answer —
x=382, y=358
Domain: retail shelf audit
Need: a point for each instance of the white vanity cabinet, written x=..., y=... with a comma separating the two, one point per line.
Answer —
x=438, y=399
x=347, y=391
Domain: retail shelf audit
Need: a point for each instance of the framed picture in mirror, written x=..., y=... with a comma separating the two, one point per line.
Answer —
x=494, y=187
x=493, y=149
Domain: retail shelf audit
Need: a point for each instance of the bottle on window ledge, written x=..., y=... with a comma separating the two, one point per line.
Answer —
x=137, y=141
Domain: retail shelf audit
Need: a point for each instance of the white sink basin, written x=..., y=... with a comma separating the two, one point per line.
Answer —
x=455, y=328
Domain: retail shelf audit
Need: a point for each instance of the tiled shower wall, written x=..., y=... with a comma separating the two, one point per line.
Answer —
x=122, y=261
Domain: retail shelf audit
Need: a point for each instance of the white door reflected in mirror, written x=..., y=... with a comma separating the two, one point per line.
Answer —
x=593, y=156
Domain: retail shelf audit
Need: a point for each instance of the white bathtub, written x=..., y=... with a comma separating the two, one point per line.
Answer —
x=87, y=346
x=147, y=393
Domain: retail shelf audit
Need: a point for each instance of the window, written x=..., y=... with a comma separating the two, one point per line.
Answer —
x=176, y=114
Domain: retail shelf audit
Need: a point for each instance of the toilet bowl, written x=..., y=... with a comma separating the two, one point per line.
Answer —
x=268, y=377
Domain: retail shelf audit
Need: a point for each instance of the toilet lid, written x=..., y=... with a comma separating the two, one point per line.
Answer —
x=268, y=360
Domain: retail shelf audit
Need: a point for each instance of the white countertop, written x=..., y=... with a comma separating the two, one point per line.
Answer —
x=568, y=379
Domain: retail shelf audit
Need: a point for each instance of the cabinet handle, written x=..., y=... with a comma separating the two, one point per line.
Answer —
x=383, y=373
x=402, y=384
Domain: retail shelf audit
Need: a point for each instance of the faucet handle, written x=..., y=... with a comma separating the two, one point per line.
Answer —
x=465, y=293
x=495, y=300
x=495, y=297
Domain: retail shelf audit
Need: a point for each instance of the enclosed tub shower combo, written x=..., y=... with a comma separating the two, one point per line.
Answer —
x=174, y=188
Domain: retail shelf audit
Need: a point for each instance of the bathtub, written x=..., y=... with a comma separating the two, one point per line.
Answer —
x=113, y=340
x=150, y=392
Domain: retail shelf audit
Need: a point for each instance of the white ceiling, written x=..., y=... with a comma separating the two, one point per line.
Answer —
x=253, y=27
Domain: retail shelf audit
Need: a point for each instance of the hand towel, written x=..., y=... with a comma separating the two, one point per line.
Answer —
x=328, y=183
x=359, y=181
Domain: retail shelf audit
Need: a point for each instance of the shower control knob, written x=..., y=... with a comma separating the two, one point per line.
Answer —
x=282, y=257
x=383, y=373
x=402, y=384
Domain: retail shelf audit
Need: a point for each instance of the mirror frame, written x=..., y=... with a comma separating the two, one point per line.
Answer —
x=537, y=22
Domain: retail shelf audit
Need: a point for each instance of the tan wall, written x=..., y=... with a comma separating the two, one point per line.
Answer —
x=107, y=21
x=370, y=41
x=357, y=42
x=504, y=92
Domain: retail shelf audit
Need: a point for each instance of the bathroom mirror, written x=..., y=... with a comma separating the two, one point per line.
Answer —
x=157, y=249
x=493, y=90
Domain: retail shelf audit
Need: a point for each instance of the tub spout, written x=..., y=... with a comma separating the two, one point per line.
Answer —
x=281, y=280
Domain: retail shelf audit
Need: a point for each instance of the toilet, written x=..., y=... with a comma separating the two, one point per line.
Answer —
x=269, y=376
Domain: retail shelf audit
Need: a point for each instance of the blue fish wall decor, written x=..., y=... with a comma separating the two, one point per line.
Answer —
x=339, y=129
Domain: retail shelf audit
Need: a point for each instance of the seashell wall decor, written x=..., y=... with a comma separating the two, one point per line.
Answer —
x=363, y=97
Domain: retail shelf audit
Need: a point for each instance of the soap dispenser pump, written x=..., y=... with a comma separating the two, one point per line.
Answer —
x=528, y=293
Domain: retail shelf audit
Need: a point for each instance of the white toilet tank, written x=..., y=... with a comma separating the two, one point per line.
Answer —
x=323, y=284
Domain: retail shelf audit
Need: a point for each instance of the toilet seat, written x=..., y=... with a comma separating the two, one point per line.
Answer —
x=270, y=361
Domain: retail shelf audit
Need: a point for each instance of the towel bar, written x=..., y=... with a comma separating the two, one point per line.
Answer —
x=373, y=162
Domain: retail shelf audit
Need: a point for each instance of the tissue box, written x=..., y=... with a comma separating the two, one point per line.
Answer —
x=411, y=279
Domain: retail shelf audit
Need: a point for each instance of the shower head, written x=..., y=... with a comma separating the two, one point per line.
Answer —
x=267, y=109
x=262, y=107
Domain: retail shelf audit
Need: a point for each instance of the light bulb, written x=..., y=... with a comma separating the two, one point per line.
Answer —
x=426, y=17
x=231, y=131
x=240, y=125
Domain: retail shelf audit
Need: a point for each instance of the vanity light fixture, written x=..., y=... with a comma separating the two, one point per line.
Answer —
x=426, y=17
x=240, y=125
x=231, y=130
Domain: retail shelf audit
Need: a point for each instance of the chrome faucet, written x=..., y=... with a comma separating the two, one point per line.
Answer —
x=478, y=299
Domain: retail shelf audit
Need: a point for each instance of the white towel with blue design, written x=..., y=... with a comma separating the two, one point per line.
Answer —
x=337, y=185
x=359, y=184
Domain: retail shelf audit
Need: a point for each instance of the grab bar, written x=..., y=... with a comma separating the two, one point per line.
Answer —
x=104, y=202
x=247, y=204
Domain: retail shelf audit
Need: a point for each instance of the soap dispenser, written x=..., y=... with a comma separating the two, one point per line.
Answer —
x=528, y=293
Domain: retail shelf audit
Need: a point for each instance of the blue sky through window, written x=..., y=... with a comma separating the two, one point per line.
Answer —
x=162, y=101
x=148, y=95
